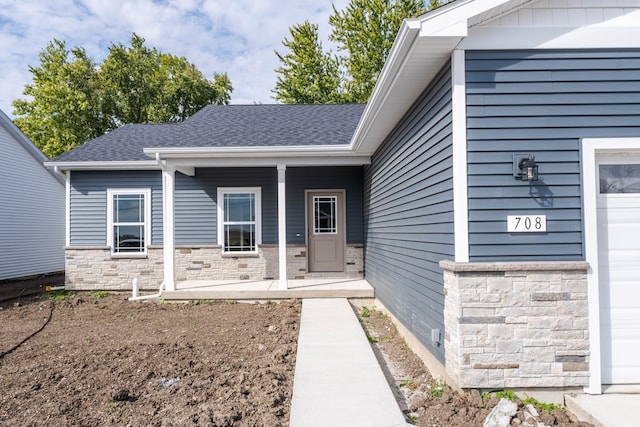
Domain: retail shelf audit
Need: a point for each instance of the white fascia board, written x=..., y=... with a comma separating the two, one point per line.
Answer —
x=221, y=152
x=217, y=162
x=396, y=60
x=316, y=155
x=440, y=32
x=91, y=165
x=453, y=14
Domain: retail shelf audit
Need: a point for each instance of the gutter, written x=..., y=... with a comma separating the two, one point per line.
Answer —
x=96, y=165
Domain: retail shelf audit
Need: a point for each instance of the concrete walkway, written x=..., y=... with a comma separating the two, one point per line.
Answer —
x=606, y=410
x=338, y=381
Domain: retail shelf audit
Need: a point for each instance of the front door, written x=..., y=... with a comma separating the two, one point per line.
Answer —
x=325, y=230
x=618, y=213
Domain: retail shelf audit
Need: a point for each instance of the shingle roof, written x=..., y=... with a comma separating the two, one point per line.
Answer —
x=227, y=126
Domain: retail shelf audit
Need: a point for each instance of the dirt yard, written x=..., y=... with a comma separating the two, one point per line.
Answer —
x=93, y=359
x=428, y=402
x=106, y=361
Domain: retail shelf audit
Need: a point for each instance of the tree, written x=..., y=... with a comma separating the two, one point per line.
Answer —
x=143, y=85
x=366, y=30
x=307, y=75
x=64, y=111
x=75, y=99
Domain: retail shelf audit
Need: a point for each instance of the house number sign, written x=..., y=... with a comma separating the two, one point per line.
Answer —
x=526, y=223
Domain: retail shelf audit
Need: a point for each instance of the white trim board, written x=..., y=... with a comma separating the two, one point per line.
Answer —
x=459, y=125
x=590, y=148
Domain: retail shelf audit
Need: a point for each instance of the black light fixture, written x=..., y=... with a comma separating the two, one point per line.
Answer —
x=525, y=167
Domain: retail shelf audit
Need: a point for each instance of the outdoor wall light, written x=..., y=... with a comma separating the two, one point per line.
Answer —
x=525, y=167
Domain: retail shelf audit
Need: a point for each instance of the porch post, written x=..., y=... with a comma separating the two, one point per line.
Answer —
x=282, y=229
x=168, y=227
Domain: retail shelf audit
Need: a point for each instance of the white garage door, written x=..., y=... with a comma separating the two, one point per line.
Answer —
x=618, y=204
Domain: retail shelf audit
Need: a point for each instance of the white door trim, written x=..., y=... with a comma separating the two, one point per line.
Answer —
x=590, y=148
x=342, y=223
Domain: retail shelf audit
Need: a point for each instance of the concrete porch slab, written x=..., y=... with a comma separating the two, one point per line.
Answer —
x=270, y=289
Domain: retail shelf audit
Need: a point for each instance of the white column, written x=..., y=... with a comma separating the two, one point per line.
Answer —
x=168, y=228
x=459, y=119
x=282, y=228
x=67, y=208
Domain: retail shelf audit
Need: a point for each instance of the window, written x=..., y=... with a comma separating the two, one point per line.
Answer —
x=128, y=219
x=324, y=215
x=619, y=178
x=239, y=219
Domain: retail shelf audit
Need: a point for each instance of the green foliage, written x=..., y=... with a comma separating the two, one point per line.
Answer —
x=510, y=395
x=73, y=99
x=364, y=312
x=549, y=407
x=99, y=294
x=57, y=295
x=144, y=85
x=436, y=388
x=501, y=394
x=307, y=75
x=372, y=340
x=365, y=30
x=505, y=394
x=64, y=110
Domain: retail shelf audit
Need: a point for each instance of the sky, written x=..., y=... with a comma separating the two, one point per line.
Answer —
x=238, y=37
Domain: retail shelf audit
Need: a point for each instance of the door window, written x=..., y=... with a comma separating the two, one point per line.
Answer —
x=324, y=215
x=619, y=178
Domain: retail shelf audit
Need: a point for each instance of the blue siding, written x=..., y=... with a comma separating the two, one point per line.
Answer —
x=196, y=202
x=196, y=198
x=298, y=180
x=89, y=203
x=540, y=102
x=408, y=213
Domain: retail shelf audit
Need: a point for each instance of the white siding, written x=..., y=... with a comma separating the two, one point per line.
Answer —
x=32, y=209
x=565, y=13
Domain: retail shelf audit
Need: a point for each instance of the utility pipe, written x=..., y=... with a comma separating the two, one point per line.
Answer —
x=136, y=290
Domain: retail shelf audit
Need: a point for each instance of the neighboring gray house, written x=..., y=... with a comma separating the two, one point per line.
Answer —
x=489, y=189
x=32, y=208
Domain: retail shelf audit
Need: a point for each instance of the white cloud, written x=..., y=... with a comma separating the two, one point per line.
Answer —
x=234, y=36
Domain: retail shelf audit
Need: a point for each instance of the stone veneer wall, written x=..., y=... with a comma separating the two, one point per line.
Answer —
x=91, y=268
x=516, y=325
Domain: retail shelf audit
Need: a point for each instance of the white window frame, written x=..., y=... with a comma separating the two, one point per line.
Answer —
x=257, y=191
x=146, y=193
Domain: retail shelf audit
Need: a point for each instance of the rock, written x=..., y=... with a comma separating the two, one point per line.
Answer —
x=121, y=395
x=501, y=414
x=532, y=410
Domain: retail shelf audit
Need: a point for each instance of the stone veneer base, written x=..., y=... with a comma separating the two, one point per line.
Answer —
x=94, y=268
x=516, y=325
